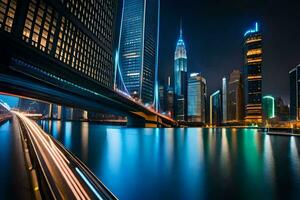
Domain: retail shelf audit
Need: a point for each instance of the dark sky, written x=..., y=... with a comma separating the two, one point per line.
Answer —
x=213, y=32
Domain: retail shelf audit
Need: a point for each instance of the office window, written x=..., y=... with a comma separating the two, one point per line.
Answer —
x=7, y=14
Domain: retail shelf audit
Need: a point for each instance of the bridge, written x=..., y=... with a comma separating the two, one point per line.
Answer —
x=28, y=70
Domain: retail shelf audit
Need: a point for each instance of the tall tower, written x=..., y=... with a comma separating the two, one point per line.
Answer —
x=253, y=75
x=139, y=48
x=196, y=98
x=180, y=79
x=224, y=100
x=235, y=98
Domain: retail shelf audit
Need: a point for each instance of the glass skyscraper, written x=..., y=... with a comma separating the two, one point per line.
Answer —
x=196, y=98
x=180, y=79
x=139, y=48
x=215, y=108
x=268, y=107
x=224, y=100
x=235, y=97
x=71, y=40
x=294, y=76
x=253, y=75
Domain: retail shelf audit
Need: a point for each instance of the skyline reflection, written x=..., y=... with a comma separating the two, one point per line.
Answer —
x=187, y=163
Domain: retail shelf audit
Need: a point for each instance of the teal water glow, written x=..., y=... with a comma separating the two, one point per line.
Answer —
x=190, y=163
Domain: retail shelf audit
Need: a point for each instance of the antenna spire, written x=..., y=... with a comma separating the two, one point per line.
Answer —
x=181, y=27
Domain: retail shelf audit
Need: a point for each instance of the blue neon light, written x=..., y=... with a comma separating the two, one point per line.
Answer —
x=255, y=30
x=88, y=183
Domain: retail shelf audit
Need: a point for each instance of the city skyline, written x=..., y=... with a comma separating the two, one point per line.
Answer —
x=214, y=39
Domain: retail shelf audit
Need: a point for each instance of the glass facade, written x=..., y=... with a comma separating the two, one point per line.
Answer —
x=180, y=80
x=253, y=75
x=196, y=98
x=235, y=97
x=139, y=47
x=78, y=34
x=268, y=107
x=294, y=76
x=7, y=14
x=215, y=108
x=224, y=100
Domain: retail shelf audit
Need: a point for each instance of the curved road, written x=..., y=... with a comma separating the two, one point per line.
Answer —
x=66, y=177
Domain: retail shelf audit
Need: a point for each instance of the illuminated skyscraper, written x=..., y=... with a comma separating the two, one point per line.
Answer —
x=139, y=48
x=196, y=98
x=170, y=99
x=224, y=100
x=235, y=97
x=69, y=40
x=215, y=108
x=253, y=75
x=294, y=76
x=180, y=80
x=268, y=107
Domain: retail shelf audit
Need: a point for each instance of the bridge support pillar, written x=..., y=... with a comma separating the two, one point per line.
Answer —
x=50, y=114
x=142, y=120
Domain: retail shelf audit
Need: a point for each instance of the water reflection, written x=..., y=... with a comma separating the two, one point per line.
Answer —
x=185, y=163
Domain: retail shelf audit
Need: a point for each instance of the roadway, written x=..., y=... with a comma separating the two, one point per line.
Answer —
x=65, y=175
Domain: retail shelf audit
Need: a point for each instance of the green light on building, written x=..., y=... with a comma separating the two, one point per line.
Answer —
x=269, y=107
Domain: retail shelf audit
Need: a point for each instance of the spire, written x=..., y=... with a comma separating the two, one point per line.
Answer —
x=181, y=27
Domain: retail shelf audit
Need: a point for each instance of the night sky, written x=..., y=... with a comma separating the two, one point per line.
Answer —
x=213, y=32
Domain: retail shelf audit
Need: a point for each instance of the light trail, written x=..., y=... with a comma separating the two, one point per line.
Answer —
x=67, y=177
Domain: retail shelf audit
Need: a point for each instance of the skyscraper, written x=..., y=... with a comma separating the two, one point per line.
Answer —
x=224, y=100
x=180, y=79
x=268, y=107
x=294, y=76
x=170, y=99
x=215, y=108
x=253, y=75
x=162, y=98
x=196, y=98
x=139, y=47
x=235, y=97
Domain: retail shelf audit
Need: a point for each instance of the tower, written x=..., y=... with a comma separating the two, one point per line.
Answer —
x=180, y=79
x=253, y=75
x=138, y=58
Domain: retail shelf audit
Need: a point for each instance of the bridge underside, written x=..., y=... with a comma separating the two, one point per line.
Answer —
x=19, y=84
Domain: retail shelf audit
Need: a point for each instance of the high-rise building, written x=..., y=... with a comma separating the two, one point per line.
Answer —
x=170, y=99
x=281, y=109
x=253, y=75
x=139, y=47
x=74, y=38
x=235, y=98
x=224, y=100
x=215, y=108
x=294, y=76
x=180, y=80
x=196, y=98
x=268, y=107
x=162, y=98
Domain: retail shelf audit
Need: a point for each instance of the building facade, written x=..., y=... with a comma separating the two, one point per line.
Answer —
x=139, y=48
x=253, y=75
x=162, y=98
x=235, y=98
x=180, y=80
x=71, y=39
x=215, y=108
x=224, y=100
x=294, y=76
x=196, y=98
x=268, y=107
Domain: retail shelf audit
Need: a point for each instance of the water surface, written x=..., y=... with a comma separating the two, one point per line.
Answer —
x=191, y=163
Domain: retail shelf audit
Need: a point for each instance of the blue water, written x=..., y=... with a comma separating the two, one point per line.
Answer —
x=189, y=163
